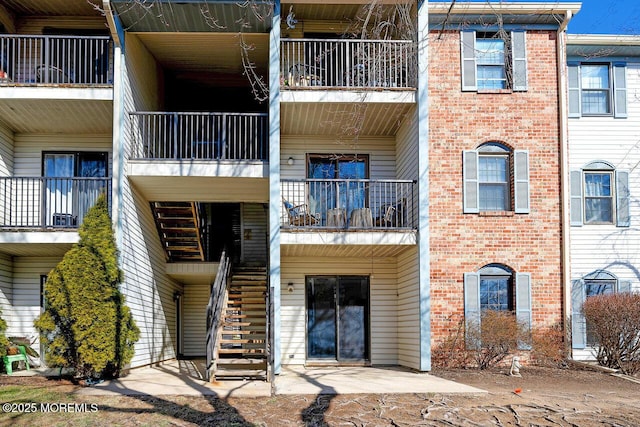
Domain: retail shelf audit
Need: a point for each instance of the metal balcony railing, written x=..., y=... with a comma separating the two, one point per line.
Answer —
x=348, y=204
x=348, y=63
x=39, y=202
x=199, y=136
x=68, y=60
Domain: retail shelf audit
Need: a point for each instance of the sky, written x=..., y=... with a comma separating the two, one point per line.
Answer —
x=600, y=16
x=607, y=17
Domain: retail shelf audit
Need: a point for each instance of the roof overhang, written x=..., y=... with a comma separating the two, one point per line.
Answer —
x=603, y=45
x=509, y=13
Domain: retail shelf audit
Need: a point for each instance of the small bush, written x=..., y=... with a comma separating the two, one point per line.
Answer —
x=452, y=353
x=497, y=335
x=614, y=321
x=4, y=342
x=548, y=347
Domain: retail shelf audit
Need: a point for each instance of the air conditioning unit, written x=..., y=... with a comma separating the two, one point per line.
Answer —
x=64, y=220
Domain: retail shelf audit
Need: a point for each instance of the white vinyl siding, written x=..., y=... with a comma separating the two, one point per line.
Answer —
x=194, y=320
x=383, y=306
x=149, y=291
x=6, y=288
x=381, y=151
x=407, y=152
x=26, y=292
x=28, y=149
x=6, y=151
x=605, y=138
x=254, y=233
x=408, y=311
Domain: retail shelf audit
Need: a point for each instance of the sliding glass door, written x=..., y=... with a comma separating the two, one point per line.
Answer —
x=338, y=318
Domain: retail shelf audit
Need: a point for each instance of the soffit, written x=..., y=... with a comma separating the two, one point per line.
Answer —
x=346, y=120
x=54, y=7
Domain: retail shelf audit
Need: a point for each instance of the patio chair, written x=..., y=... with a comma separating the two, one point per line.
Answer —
x=299, y=215
x=51, y=74
x=387, y=216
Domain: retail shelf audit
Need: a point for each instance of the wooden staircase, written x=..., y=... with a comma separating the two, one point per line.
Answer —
x=242, y=340
x=178, y=226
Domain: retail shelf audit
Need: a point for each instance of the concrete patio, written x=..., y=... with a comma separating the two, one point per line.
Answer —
x=186, y=377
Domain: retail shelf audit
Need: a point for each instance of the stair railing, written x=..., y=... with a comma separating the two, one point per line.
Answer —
x=216, y=303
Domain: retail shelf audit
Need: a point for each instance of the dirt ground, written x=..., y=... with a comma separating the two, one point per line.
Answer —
x=542, y=397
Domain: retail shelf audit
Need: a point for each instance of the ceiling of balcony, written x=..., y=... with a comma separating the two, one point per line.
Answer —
x=54, y=7
x=342, y=119
x=194, y=15
x=214, y=57
x=57, y=116
x=343, y=251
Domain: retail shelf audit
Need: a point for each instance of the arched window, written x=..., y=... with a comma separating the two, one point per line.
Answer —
x=598, y=282
x=497, y=287
x=496, y=179
x=600, y=195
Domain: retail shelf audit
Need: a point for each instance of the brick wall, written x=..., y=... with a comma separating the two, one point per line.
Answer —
x=527, y=243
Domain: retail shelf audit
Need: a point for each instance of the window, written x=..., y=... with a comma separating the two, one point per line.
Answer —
x=597, y=89
x=496, y=179
x=494, y=61
x=336, y=182
x=600, y=195
x=497, y=287
x=599, y=282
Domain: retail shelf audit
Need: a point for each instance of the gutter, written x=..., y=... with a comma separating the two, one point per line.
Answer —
x=565, y=249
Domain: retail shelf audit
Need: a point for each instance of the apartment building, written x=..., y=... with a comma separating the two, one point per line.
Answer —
x=330, y=183
x=603, y=81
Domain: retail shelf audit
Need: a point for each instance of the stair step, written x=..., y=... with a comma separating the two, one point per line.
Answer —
x=247, y=326
x=258, y=335
x=252, y=351
x=245, y=302
x=242, y=341
x=249, y=277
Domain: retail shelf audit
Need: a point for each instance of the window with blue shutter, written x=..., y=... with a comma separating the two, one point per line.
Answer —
x=496, y=287
x=597, y=89
x=600, y=195
x=490, y=61
x=495, y=179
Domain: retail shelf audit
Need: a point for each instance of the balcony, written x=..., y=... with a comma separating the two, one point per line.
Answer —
x=40, y=203
x=200, y=156
x=199, y=136
x=348, y=64
x=348, y=205
x=70, y=61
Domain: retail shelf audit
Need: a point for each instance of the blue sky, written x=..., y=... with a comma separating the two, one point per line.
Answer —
x=607, y=17
x=599, y=16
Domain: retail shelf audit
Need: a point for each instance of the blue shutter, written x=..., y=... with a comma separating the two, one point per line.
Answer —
x=523, y=304
x=519, y=50
x=521, y=181
x=470, y=178
x=624, y=286
x=620, y=90
x=576, y=198
x=578, y=323
x=623, y=218
x=471, y=305
x=573, y=77
x=468, y=57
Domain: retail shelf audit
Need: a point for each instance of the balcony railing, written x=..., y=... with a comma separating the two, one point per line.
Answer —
x=348, y=63
x=199, y=136
x=39, y=202
x=65, y=60
x=348, y=204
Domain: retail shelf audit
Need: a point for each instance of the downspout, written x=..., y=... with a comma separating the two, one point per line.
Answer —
x=564, y=176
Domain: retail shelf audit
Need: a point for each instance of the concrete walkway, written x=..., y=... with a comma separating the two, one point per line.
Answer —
x=186, y=377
